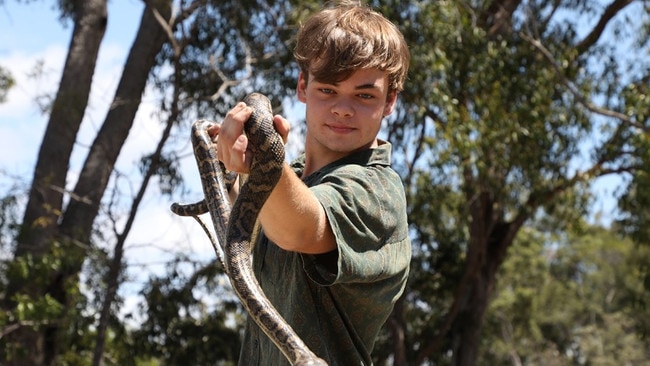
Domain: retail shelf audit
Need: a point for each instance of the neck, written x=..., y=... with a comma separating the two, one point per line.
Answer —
x=315, y=160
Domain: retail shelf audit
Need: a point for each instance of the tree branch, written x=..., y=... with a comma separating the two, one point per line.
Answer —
x=595, y=33
x=498, y=16
x=164, y=24
x=574, y=90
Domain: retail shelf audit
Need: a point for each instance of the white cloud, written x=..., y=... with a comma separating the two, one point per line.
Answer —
x=156, y=233
x=21, y=123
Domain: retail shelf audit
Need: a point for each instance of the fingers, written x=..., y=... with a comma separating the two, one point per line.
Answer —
x=282, y=126
x=231, y=148
x=213, y=131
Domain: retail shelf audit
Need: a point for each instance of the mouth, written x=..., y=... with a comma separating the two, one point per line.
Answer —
x=340, y=128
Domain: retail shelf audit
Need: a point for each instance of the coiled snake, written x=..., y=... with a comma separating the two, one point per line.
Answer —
x=235, y=227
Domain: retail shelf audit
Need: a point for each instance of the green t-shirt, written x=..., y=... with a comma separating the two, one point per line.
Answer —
x=338, y=301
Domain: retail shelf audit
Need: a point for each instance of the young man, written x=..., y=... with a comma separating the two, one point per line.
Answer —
x=334, y=255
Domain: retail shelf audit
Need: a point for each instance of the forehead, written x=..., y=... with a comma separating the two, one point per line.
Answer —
x=362, y=78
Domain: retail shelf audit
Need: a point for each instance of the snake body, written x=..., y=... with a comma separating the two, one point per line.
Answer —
x=235, y=227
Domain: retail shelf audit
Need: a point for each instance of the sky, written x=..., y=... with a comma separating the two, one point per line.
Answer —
x=31, y=39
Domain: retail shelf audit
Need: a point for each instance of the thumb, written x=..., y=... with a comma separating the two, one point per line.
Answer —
x=282, y=126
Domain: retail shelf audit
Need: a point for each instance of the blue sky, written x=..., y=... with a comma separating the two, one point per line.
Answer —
x=32, y=35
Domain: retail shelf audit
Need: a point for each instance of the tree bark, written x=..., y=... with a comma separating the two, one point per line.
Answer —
x=467, y=325
x=46, y=195
x=76, y=225
x=93, y=179
x=490, y=238
x=45, y=200
x=44, y=210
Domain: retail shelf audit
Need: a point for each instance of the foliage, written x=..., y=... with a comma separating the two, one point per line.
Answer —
x=497, y=136
x=227, y=49
x=635, y=200
x=6, y=82
x=180, y=324
x=567, y=301
x=497, y=127
x=9, y=219
x=34, y=312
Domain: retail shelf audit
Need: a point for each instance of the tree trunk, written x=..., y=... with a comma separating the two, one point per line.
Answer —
x=77, y=222
x=465, y=333
x=48, y=184
x=46, y=195
x=93, y=179
x=116, y=264
x=397, y=327
x=44, y=209
x=490, y=239
x=112, y=280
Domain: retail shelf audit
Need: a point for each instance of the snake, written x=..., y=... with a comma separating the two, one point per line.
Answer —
x=236, y=224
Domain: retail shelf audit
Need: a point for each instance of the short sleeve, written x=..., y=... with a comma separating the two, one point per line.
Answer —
x=366, y=208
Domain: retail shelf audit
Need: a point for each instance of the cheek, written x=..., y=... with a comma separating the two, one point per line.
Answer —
x=379, y=113
x=317, y=108
x=312, y=113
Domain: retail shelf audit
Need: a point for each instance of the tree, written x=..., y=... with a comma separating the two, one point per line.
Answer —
x=567, y=299
x=507, y=116
x=180, y=326
x=55, y=239
x=6, y=82
x=49, y=232
x=46, y=196
x=506, y=120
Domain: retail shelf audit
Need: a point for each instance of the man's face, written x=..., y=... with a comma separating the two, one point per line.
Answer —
x=345, y=117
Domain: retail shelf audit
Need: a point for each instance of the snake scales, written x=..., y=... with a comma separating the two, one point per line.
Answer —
x=235, y=226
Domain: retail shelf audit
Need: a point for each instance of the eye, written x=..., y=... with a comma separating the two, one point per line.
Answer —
x=366, y=96
x=326, y=91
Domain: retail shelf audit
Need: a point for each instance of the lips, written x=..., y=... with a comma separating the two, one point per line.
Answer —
x=338, y=128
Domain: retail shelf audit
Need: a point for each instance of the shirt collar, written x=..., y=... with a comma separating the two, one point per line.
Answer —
x=380, y=155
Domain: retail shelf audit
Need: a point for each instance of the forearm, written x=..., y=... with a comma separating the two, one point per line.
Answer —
x=294, y=219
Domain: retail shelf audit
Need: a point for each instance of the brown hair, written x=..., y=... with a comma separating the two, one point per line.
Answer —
x=338, y=40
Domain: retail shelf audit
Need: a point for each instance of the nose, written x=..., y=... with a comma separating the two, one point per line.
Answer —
x=342, y=108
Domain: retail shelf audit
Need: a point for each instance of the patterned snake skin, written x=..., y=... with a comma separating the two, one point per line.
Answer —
x=237, y=234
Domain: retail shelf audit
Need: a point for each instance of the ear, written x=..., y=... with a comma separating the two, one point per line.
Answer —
x=301, y=88
x=390, y=103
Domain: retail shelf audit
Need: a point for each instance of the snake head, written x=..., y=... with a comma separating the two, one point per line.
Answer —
x=263, y=140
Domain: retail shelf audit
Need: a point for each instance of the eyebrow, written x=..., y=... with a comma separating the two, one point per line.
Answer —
x=366, y=86
x=358, y=87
